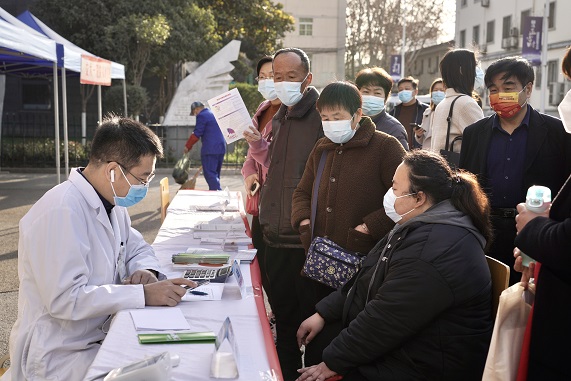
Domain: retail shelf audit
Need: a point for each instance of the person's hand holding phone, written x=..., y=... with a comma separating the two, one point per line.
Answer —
x=249, y=182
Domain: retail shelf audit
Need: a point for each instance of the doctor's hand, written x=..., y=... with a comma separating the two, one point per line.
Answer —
x=319, y=372
x=141, y=277
x=253, y=135
x=166, y=292
x=309, y=329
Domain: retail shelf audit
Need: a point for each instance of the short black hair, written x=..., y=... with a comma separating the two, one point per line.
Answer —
x=262, y=61
x=125, y=141
x=341, y=94
x=410, y=79
x=304, y=58
x=515, y=66
x=374, y=76
x=458, y=70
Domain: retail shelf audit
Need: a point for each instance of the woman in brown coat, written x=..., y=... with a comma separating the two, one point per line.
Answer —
x=359, y=167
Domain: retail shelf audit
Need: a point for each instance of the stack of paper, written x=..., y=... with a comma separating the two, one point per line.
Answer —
x=162, y=319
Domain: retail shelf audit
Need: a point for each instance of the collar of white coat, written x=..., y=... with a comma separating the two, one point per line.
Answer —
x=90, y=195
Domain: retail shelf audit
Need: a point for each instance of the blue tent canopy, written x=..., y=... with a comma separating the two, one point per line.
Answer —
x=72, y=52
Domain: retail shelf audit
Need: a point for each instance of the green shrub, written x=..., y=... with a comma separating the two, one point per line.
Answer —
x=18, y=152
x=137, y=99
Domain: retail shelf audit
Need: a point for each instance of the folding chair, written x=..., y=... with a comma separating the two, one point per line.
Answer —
x=500, y=278
x=165, y=197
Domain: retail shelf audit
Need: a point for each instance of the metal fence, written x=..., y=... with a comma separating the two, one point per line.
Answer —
x=28, y=140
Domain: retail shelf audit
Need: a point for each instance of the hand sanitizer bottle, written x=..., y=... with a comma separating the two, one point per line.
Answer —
x=536, y=201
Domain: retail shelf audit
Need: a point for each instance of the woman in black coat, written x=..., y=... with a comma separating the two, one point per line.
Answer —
x=420, y=308
x=547, y=239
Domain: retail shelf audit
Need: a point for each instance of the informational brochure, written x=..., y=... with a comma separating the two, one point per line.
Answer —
x=231, y=114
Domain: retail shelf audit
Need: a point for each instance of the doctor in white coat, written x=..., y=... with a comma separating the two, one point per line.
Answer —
x=80, y=261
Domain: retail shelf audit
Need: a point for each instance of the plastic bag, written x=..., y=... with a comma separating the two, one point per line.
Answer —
x=511, y=320
x=181, y=169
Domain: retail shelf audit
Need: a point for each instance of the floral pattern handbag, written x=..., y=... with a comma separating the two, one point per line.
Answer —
x=329, y=263
x=326, y=261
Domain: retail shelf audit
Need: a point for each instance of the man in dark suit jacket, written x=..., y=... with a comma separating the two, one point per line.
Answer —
x=514, y=149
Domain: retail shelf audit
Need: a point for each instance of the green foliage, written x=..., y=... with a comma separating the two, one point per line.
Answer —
x=135, y=33
x=250, y=94
x=259, y=24
x=18, y=152
x=137, y=99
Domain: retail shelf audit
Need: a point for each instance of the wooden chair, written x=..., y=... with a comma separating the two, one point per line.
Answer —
x=165, y=197
x=500, y=278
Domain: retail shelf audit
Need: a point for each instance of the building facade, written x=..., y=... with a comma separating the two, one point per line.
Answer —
x=425, y=64
x=320, y=30
x=494, y=27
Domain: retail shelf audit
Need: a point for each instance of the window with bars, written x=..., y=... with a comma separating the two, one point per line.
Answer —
x=305, y=26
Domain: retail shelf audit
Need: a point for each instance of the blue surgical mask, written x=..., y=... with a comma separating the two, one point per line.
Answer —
x=479, y=84
x=405, y=96
x=289, y=92
x=372, y=105
x=136, y=193
x=267, y=89
x=437, y=96
x=338, y=131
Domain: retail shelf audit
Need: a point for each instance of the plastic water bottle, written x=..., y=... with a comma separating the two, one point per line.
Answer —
x=536, y=201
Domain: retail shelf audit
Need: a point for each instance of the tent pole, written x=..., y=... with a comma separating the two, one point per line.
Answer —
x=99, y=106
x=56, y=122
x=126, y=115
x=65, y=133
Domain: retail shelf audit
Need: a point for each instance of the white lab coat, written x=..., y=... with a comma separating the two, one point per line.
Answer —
x=68, y=258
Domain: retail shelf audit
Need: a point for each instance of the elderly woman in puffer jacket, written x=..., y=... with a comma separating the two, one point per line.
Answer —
x=420, y=307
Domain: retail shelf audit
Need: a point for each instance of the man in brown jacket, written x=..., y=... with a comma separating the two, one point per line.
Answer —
x=296, y=128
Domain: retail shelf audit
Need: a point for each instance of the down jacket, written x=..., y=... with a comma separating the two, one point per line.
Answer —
x=420, y=308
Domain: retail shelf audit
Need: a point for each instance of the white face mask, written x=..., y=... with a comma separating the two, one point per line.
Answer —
x=389, y=205
x=289, y=92
x=479, y=84
x=267, y=89
x=372, y=105
x=338, y=131
x=564, y=109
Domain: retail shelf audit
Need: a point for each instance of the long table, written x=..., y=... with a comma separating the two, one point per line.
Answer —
x=257, y=357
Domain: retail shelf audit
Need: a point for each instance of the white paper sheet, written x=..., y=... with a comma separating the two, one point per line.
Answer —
x=161, y=319
x=231, y=114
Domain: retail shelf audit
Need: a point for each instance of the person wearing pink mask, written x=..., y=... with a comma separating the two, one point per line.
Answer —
x=513, y=149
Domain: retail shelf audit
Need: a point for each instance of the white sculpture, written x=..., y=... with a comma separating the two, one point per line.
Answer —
x=207, y=81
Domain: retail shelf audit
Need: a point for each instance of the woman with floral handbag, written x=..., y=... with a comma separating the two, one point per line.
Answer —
x=358, y=163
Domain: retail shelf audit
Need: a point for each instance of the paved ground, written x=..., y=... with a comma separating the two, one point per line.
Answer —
x=19, y=191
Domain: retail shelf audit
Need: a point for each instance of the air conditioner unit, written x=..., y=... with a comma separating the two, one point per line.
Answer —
x=514, y=32
x=485, y=3
x=510, y=42
x=556, y=93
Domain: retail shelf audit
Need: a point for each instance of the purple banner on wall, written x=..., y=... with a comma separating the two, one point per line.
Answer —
x=531, y=47
x=395, y=67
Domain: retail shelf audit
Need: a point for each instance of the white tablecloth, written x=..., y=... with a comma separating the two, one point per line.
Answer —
x=255, y=347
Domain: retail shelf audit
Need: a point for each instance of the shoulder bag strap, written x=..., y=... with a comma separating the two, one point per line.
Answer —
x=449, y=119
x=316, y=189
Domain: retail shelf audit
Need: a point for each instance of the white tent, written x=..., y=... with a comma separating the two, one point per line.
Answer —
x=22, y=49
x=71, y=60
